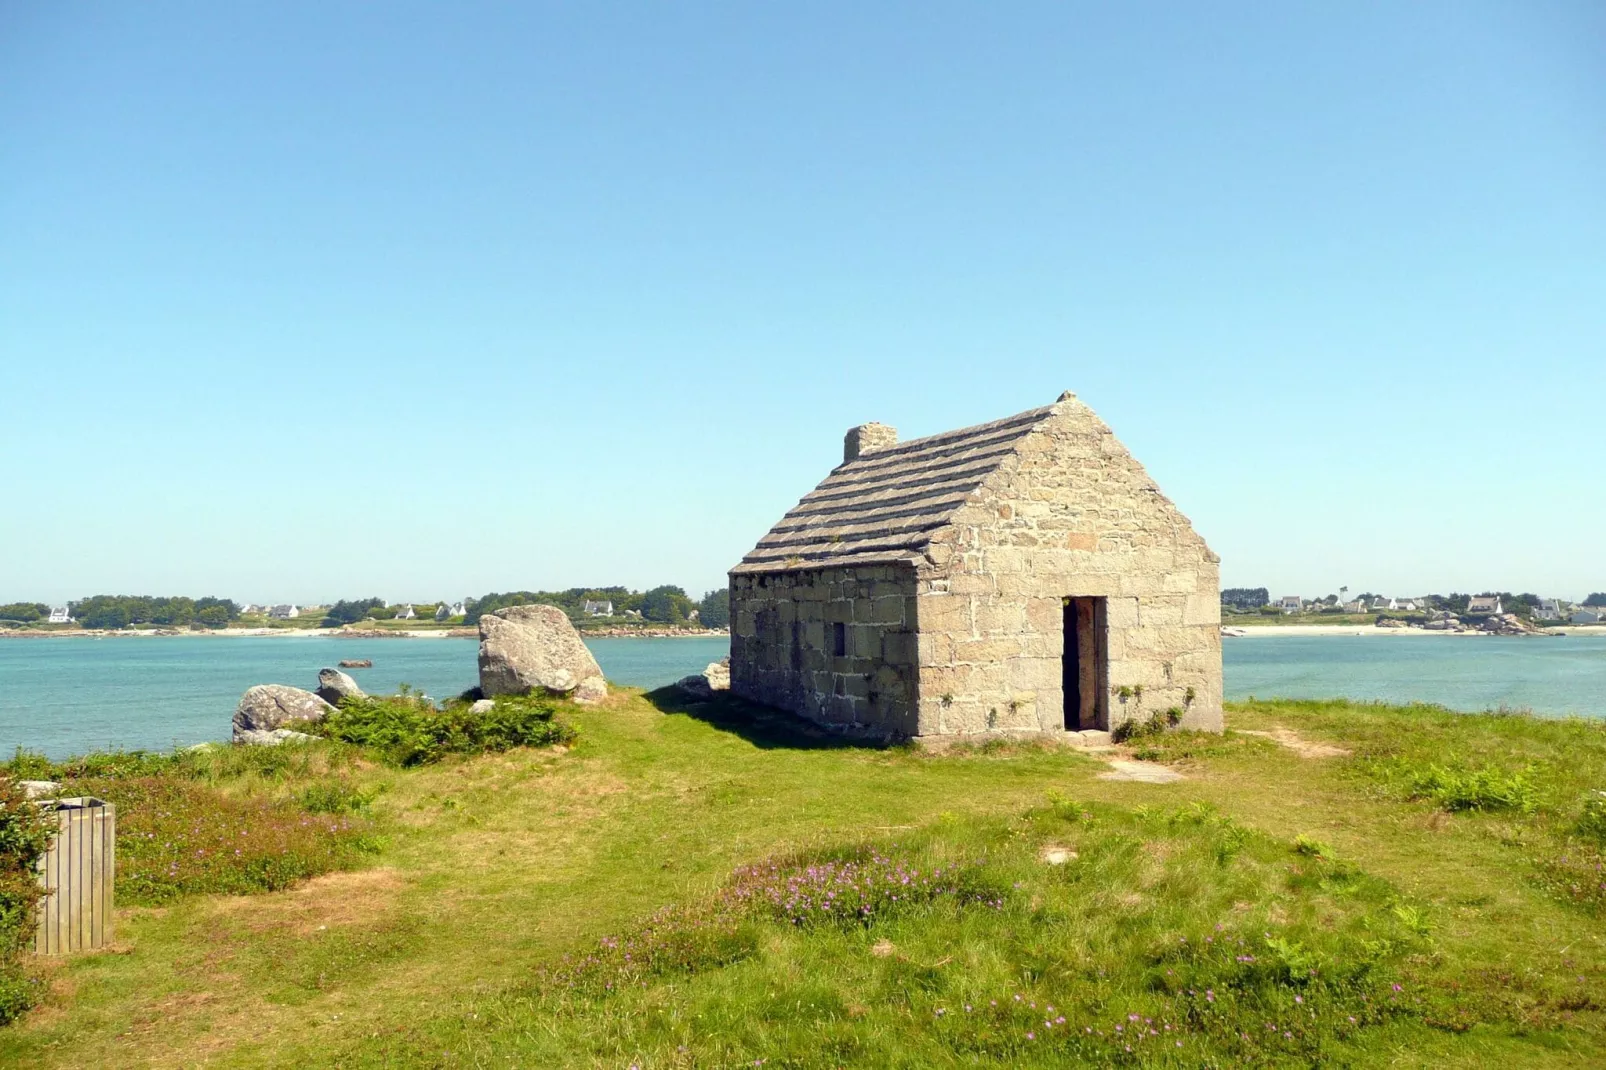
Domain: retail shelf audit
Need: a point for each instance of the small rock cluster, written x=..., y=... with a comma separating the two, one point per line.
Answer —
x=1508, y=624
x=266, y=711
x=1503, y=624
x=523, y=649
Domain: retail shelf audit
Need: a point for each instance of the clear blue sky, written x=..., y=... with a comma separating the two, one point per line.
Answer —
x=303, y=301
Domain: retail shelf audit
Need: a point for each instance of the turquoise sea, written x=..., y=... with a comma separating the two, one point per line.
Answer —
x=66, y=696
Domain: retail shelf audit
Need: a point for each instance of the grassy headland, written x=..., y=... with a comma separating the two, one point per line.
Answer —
x=709, y=885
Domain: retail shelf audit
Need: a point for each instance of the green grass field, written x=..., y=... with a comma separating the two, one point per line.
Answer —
x=711, y=886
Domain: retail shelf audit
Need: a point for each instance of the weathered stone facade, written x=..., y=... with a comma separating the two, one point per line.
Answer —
x=969, y=582
x=837, y=645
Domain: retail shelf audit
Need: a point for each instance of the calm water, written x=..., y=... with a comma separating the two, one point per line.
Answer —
x=65, y=696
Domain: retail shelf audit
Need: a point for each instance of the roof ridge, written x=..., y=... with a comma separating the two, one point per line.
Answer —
x=888, y=504
x=1029, y=416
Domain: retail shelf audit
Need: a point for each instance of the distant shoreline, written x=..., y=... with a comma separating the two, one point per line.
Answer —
x=335, y=633
x=1261, y=631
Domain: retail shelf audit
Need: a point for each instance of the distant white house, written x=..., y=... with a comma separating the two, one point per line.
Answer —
x=1291, y=603
x=1485, y=604
x=405, y=612
x=251, y=609
x=1402, y=605
x=442, y=611
x=1549, y=609
x=1357, y=606
x=59, y=615
x=599, y=609
x=284, y=612
x=1588, y=615
x=459, y=609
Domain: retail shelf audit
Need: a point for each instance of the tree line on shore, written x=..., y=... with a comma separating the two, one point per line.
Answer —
x=113, y=611
x=666, y=605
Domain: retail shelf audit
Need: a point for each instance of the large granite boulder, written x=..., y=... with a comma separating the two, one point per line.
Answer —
x=529, y=648
x=266, y=708
x=334, y=685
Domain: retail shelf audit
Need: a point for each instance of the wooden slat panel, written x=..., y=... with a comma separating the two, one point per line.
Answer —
x=86, y=856
x=47, y=915
x=97, y=906
x=41, y=943
x=77, y=878
x=69, y=903
x=75, y=883
x=63, y=852
x=109, y=878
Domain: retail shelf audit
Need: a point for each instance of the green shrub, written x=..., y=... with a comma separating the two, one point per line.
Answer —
x=1473, y=789
x=334, y=797
x=1592, y=821
x=1155, y=724
x=28, y=765
x=1313, y=848
x=23, y=840
x=404, y=730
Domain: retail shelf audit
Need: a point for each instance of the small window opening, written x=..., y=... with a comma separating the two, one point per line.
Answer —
x=839, y=639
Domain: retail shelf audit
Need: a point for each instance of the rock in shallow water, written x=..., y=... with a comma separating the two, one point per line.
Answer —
x=717, y=677
x=268, y=707
x=334, y=685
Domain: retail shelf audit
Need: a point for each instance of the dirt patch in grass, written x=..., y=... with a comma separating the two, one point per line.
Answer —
x=329, y=901
x=1141, y=772
x=1287, y=737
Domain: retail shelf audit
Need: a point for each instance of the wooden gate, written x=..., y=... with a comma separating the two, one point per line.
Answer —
x=77, y=873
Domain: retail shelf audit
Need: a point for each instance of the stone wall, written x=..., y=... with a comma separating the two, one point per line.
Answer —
x=836, y=645
x=1071, y=514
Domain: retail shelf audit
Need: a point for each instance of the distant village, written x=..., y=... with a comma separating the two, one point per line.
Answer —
x=1431, y=608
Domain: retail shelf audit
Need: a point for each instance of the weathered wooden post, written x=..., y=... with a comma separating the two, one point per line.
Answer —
x=77, y=873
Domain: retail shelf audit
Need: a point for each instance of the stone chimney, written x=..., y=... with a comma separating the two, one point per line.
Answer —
x=867, y=438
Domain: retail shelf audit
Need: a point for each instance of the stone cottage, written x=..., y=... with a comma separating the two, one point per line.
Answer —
x=1021, y=576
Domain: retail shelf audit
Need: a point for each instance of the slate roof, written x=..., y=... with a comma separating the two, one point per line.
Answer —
x=885, y=506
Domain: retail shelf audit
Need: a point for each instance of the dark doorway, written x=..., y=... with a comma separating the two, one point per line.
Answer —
x=1086, y=665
